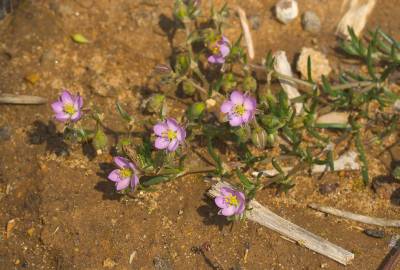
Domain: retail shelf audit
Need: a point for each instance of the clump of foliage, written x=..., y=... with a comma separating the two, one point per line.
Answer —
x=235, y=105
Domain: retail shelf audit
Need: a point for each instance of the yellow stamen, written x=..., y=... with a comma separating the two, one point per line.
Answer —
x=125, y=173
x=232, y=200
x=69, y=109
x=170, y=134
x=215, y=49
x=239, y=110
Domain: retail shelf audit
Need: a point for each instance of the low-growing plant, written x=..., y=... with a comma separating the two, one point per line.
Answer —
x=239, y=114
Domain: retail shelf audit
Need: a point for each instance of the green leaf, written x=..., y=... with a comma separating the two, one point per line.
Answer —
x=370, y=63
x=244, y=180
x=309, y=70
x=156, y=180
x=362, y=156
x=331, y=164
x=79, y=38
x=214, y=156
x=123, y=113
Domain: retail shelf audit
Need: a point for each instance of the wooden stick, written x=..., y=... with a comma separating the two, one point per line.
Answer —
x=356, y=217
x=246, y=31
x=346, y=162
x=391, y=260
x=21, y=99
x=269, y=219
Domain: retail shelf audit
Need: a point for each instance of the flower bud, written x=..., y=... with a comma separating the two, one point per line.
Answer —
x=396, y=173
x=228, y=82
x=271, y=139
x=100, y=140
x=270, y=122
x=196, y=110
x=249, y=83
x=182, y=64
x=243, y=134
x=155, y=103
x=188, y=88
x=180, y=10
x=259, y=138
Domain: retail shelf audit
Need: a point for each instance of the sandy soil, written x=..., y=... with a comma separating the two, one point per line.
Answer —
x=67, y=214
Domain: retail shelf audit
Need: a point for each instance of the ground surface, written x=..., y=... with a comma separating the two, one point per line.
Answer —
x=66, y=213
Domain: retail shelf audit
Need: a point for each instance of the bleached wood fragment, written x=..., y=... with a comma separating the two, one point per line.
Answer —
x=341, y=118
x=356, y=217
x=246, y=31
x=282, y=65
x=355, y=17
x=346, y=162
x=21, y=99
x=269, y=219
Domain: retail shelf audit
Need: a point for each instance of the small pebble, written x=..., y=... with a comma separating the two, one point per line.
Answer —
x=5, y=133
x=328, y=188
x=286, y=10
x=109, y=263
x=311, y=22
x=374, y=233
x=394, y=241
x=161, y=264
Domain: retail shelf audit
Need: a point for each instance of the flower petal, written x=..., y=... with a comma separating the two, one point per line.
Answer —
x=161, y=143
x=62, y=117
x=78, y=102
x=225, y=191
x=224, y=40
x=224, y=50
x=114, y=176
x=160, y=128
x=220, y=202
x=76, y=116
x=123, y=184
x=250, y=103
x=172, y=124
x=235, y=121
x=134, y=182
x=237, y=98
x=219, y=59
x=240, y=209
x=57, y=106
x=212, y=59
x=121, y=162
x=229, y=211
x=247, y=116
x=132, y=166
x=181, y=134
x=173, y=145
x=226, y=106
x=66, y=97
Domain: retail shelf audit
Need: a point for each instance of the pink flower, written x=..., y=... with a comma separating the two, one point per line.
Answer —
x=220, y=51
x=240, y=108
x=231, y=202
x=169, y=135
x=68, y=107
x=125, y=175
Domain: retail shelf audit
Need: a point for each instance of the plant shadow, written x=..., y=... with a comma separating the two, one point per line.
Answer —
x=43, y=133
x=105, y=186
x=209, y=212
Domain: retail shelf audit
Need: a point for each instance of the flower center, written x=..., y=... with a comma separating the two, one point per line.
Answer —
x=215, y=49
x=170, y=134
x=69, y=109
x=232, y=200
x=125, y=173
x=239, y=110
